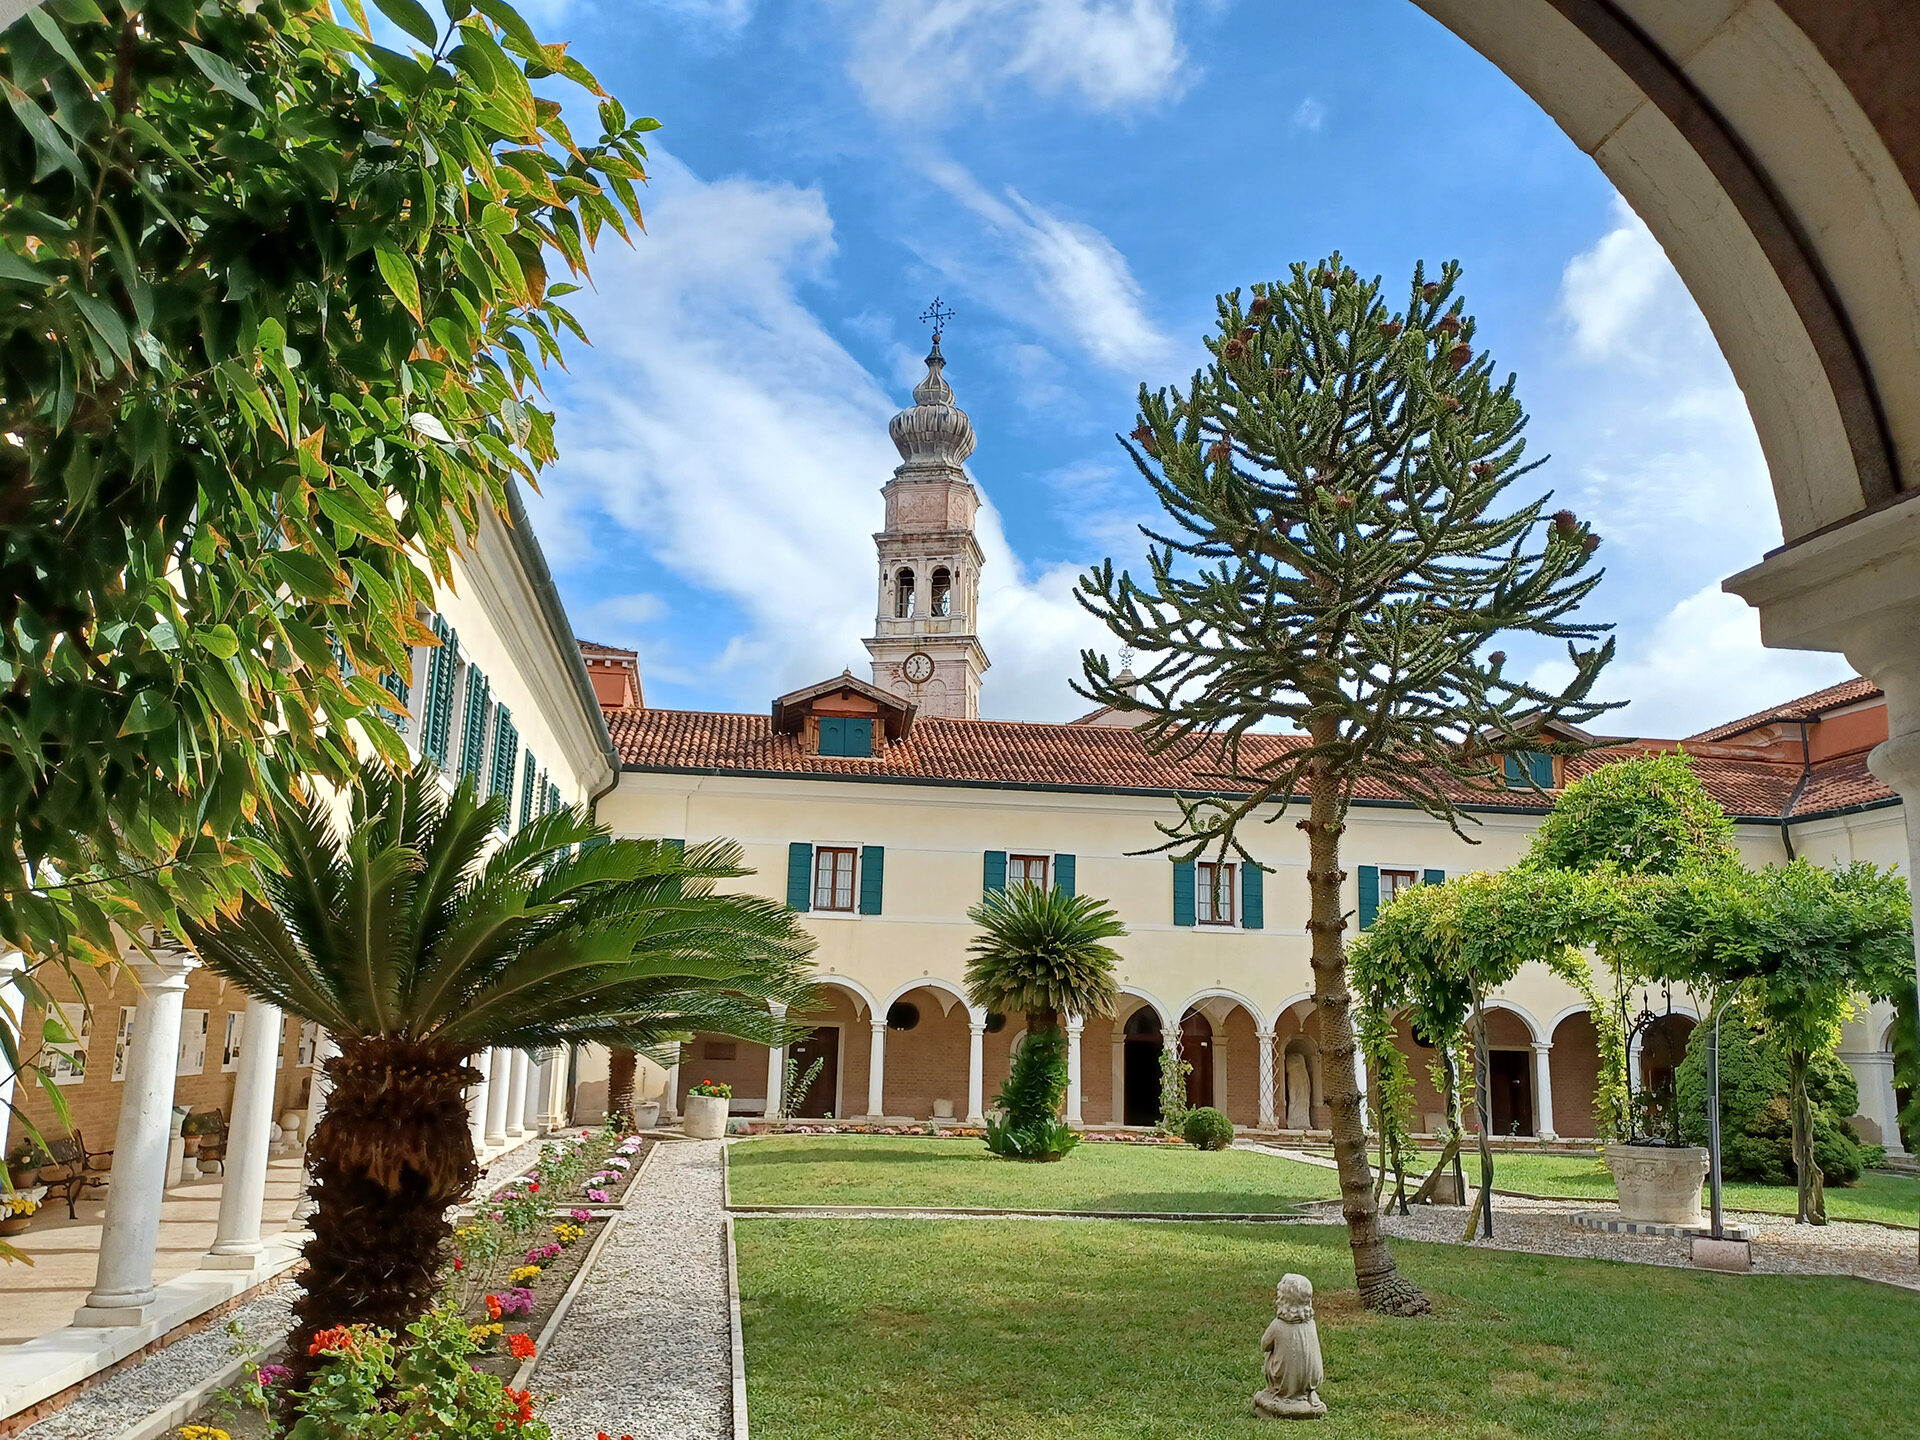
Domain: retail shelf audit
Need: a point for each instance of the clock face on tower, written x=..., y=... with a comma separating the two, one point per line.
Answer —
x=918, y=668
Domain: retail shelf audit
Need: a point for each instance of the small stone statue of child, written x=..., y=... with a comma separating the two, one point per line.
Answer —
x=1292, y=1347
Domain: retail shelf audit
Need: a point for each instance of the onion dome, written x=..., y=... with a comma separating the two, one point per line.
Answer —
x=935, y=430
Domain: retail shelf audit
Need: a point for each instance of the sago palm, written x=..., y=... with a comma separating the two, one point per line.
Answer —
x=406, y=926
x=1043, y=952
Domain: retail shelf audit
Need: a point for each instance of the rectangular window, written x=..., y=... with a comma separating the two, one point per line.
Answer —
x=846, y=736
x=1392, y=882
x=1027, y=870
x=1528, y=769
x=1213, y=893
x=833, y=878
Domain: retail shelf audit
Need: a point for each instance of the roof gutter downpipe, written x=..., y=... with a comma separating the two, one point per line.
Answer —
x=1799, y=789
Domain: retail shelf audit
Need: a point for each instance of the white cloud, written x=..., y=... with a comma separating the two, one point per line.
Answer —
x=1310, y=114
x=922, y=59
x=1623, y=298
x=1079, y=278
x=718, y=429
x=1701, y=665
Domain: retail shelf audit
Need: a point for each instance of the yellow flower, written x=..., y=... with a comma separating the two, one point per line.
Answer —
x=525, y=1275
x=203, y=1432
x=566, y=1233
x=478, y=1334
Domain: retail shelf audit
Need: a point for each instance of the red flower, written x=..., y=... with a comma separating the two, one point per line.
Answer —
x=523, y=1404
x=493, y=1307
x=458, y=1264
x=329, y=1342
x=533, y=1187
x=522, y=1347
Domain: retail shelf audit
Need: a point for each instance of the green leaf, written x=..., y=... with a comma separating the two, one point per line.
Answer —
x=14, y=266
x=399, y=274
x=411, y=17
x=150, y=711
x=306, y=575
x=219, y=640
x=223, y=73
x=55, y=153
x=509, y=20
x=106, y=322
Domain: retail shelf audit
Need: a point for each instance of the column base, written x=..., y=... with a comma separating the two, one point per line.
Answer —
x=102, y=1317
x=499, y=1139
x=251, y=1260
x=516, y=1134
x=975, y=1120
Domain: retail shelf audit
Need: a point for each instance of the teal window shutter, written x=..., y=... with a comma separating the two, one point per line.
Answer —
x=1541, y=765
x=833, y=735
x=873, y=872
x=553, y=798
x=675, y=847
x=993, y=874
x=506, y=751
x=1253, y=898
x=1063, y=876
x=1516, y=773
x=443, y=663
x=1183, y=892
x=859, y=738
x=526, y=790
x=799, y=876
x=1434, y=877
x=473, y=729
x=1369, y=894
x=1525, y=770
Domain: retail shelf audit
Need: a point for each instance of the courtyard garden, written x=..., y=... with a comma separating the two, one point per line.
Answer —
x=976, y=1328
x=928, y=1173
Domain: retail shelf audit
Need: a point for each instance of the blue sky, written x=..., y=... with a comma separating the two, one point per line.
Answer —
x=1078, y=179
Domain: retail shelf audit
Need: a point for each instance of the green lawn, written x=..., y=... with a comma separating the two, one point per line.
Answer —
x=1021, y=1329
x=1892, y=1199
x=892, y=1170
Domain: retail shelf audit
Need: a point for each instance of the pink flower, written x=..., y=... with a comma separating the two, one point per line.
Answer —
x=598, y=1197
x=579, y=1217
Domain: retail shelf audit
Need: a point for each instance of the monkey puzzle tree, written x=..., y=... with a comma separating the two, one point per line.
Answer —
x=1339, y=559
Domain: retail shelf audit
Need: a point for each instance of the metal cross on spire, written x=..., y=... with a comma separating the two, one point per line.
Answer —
x=938, y=314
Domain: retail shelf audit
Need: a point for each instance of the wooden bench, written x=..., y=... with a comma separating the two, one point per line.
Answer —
x=80, y=1170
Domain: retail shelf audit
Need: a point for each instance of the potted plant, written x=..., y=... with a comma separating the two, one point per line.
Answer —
x=706, y=1115
x=16, y=1213
x=24, y=1161
x=196, y=1127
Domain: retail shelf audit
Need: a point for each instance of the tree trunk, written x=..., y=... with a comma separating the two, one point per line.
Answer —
x=1812, y=1207
x=1448, y=1156
x=1483, y=1109
x=1380, y=1283
x=392, y=1153
x=622, y=1066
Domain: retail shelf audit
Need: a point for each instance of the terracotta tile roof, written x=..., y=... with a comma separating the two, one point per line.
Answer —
x=594, y=647
x=1045, y=756
x=1807, y=707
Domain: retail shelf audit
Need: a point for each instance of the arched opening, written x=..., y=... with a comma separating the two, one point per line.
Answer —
x=940, y=593
x=1510, y=1074
x=1196, y=1048
x=826, y=1067
x=903, y=594
x=1574, y=1065
x=1299, y=1083
x=1142, y=1040
x=926, y=1061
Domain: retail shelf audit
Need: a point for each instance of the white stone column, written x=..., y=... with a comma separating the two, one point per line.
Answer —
x=1074, y=1026
x=243, y=1189
x=1873, y=1073
x=1268, y=1120
x=499, y=1093
x=1360, y=1078
x=776, y=1067
x=539, y=1080
x=477, y=1098
x=1220, y=1091
x=1119, y=1076
x=670, y=1098
x=517, y=1095
x=977, y=1068
x=324, y=1049
x=1543, y=1091
x=877, y=1071
x=11, y=964
x=123, y=1288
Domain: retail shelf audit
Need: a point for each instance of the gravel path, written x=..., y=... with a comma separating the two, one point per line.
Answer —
x=136, y=1392
x=647, y=1348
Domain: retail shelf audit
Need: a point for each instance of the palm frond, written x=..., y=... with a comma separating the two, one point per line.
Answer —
x=1043, y=950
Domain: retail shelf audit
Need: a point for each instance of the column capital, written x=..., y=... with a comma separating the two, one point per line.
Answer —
x=879, y=1027
x=977, y=1027
x=164, y=969
x=1263, y=1034
x=1542, y=1046
x=1076, y=1024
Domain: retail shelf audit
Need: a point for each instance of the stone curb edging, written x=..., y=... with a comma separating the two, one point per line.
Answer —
x=988, y=1212
x=177, y=1410
x=524, y=1374
x=739, y=1340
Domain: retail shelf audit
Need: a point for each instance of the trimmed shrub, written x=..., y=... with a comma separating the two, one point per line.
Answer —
x=1756, y=1126
x=1029, y=1128
x=1206, y=1128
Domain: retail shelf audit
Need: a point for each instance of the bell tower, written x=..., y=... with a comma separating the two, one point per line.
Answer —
x=925, y=643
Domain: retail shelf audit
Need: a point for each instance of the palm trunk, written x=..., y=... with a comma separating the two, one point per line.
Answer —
x=1812, y=1207
x=622, y=1065
x=392, y=1154
x=1380, y=1283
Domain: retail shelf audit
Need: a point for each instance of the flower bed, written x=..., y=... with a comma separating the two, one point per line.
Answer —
x=591, y=1167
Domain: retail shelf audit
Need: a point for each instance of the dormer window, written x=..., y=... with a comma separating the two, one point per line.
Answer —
x=942, y=597
x=1529, y=768
x=903, y=595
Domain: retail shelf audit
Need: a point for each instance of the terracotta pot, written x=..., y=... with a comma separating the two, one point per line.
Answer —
x=1659, y=1184
x=23, y=1175
x=705, y=1117
x=16, y=1224
x=192, y=1144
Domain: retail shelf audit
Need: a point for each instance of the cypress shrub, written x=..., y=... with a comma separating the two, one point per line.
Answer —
x=1756, y=1128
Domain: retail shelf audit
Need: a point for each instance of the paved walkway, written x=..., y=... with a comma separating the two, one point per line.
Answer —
x=646, y=1349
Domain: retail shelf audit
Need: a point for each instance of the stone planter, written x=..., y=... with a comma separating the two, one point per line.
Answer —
x=705, y=1117
x=646, y=1115
x=1659, y=1184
